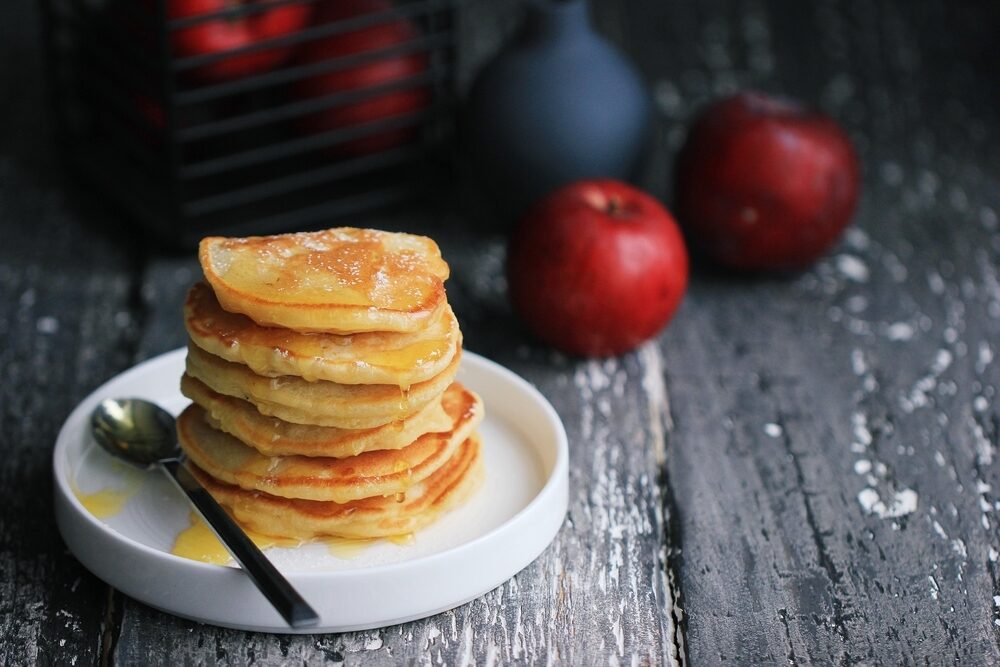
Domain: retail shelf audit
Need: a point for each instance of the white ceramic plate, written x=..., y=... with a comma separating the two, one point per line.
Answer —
x=468, y=552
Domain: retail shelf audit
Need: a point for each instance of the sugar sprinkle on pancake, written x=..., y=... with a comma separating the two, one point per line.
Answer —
x=342, y=280
x=376, y=473
x=376, y=357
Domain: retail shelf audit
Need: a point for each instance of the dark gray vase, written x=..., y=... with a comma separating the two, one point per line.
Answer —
x=558, y=104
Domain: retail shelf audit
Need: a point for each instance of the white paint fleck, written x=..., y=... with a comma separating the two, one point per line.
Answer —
x=862, y=466
x=773, y=430
x=994, y=555
x=942, y=360
x=47, y=325
x=984, y=357
x=858, y=362
x=958, y=546
x=899, y=332
x=853, y=268
x=984, y=448
x=935, y=282
x=857, y=303
x=980, y=404
x=939, y=530
x=857, y=238
x=897, y=270
x=667, y=97
x=939, y=458
x=988, y=218
x=862, y=435
x=902, y=503
x=996, y=600
x=935, y=589
x=983, y=487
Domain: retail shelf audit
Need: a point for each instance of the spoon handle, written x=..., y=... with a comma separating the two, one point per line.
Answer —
x=279, y=592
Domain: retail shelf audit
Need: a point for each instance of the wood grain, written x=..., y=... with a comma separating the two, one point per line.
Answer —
x=66, y=294
x=832, y=460
x=67, y=327
x=800, y=470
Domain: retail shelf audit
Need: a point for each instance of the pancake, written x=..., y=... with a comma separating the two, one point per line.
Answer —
x=402, y=359
x=380, y=516
x=292, y=399
x=342, y=280
x=273, y=437
x=378, y=473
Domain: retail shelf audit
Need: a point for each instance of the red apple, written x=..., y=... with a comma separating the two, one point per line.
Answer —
x=764, y=183
x=379, y=72
x=219, y=35
x=596, y=268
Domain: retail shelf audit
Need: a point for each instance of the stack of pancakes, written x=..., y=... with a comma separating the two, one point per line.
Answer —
x=322, y=366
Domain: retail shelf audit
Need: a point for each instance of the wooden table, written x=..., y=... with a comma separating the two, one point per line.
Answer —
x=797, y=470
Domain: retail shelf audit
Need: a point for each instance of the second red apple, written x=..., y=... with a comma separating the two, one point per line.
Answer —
x=764, y=183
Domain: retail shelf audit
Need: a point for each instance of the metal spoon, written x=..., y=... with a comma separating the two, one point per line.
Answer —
x=145, y=435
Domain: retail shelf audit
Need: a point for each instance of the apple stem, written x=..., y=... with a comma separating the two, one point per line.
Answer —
x=614, y=206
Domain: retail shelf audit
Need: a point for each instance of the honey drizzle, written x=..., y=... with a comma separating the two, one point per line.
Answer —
x=198, y=542
x=105, y=503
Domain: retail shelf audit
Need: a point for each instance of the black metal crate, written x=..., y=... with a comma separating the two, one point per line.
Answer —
x=189, y=148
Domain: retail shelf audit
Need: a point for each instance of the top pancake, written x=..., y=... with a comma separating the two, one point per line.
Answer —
x=402, y=359
x=341, y=280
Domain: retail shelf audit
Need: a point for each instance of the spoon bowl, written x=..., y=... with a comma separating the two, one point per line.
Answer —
x=137, y=431
x=144, y=434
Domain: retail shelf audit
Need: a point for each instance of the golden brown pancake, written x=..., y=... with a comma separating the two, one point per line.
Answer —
x=273, y=437
x=321, y=403
x=342, y=280
x=402, y=359
x=380, y=516
x=377, y=473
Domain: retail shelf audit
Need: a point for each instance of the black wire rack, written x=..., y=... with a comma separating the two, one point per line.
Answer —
x=188, y=152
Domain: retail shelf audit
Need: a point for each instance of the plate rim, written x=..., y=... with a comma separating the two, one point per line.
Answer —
x=560, y=469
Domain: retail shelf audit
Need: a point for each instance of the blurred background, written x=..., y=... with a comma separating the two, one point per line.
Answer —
x=187, y=117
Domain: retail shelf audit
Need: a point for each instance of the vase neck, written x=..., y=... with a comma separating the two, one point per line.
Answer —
x=555, y=18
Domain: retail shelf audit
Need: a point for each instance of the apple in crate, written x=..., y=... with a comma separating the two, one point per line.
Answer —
x=764, y=183
x=596, y=267
x=225, y=33
x=374, y=72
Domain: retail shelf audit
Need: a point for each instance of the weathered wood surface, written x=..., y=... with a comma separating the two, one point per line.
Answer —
x=829, y=493
x=832, y=456
x=66, y=301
